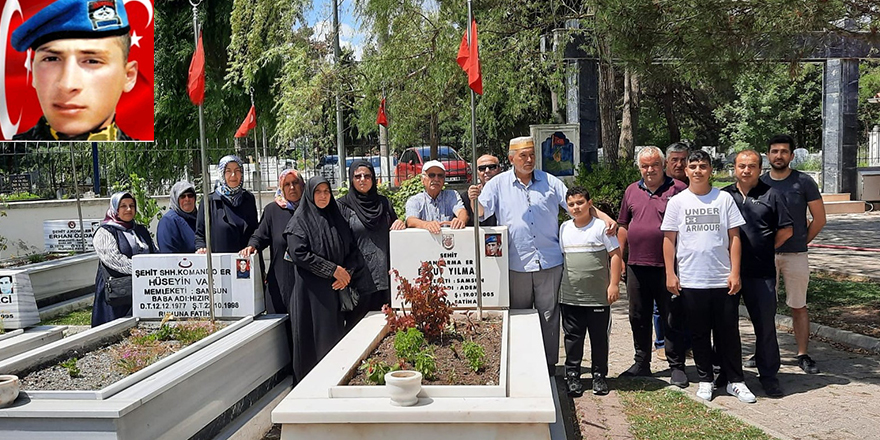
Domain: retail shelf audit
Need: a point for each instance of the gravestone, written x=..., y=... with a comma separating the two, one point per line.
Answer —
x=18, y=308
x=177, y=284
x=411, y=247
x=66, y=235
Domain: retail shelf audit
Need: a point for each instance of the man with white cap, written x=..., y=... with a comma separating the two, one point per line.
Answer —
x=435, y=207
x=527, y=201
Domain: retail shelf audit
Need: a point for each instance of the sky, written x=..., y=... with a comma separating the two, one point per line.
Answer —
x=320, y=18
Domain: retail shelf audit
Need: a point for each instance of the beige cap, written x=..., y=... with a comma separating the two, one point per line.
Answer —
x=433, y=164
x=521, y=143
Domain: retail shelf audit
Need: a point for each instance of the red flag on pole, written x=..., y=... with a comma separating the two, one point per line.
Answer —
x=196, y=85
x=468, y=59
x=249, y=123
x=381, y=118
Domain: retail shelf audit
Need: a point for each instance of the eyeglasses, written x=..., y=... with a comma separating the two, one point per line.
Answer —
x=232, y=172
x=436, y=175
x=362, y=176
x=187, y=196
x=487, y=167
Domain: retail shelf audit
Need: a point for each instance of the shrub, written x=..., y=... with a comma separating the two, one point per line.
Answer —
x=425, y=363
x=430, y=311
x=408, y=188
x=475, y=355
x=147, y=207
x=607, y=185
x=131, y=358
x=408, y=343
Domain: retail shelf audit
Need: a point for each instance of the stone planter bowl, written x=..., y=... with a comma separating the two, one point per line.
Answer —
x=9, y=386
x=403, y=387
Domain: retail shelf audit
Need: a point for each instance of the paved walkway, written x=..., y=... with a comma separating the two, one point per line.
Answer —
x=842, y=402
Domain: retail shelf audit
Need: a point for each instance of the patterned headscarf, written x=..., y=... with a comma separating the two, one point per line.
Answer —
x=112, y=216
x=179, y=189
x=279, y=193
x=231, y=194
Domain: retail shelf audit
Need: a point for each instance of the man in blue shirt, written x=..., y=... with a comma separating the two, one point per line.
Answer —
x=435, y=207
x=527, y=201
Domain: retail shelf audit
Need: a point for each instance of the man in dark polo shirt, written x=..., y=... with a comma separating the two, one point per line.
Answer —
x=641, y=213
x=487, y=167
x=768, y=226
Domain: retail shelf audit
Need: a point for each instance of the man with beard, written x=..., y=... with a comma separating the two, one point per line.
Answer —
x=801, y=193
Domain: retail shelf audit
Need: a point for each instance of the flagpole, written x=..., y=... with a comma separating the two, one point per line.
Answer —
x=258, y=185
x=206, y=176
x=340, y=139
x=476, y=203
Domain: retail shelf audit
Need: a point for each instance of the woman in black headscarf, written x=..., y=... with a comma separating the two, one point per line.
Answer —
x=176, y=233
x=371, y=217
x=233, y=211
x=117, y=240
x=326, y=257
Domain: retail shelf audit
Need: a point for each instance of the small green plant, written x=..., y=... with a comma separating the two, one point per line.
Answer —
x=425, y=363
x=71, y=367
x=147, y=207
x=375, y=370
x=408, y=343
x=475, y=355
x=193, y=331
x=36, y=258
x=133, y=357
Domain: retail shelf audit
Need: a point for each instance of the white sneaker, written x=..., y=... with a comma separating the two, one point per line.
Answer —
x=741, y=391
x=705, y=390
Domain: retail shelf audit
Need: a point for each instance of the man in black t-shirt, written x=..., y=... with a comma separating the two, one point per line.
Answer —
x=768, y=226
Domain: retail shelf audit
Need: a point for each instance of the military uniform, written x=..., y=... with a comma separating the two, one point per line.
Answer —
x=43, y=132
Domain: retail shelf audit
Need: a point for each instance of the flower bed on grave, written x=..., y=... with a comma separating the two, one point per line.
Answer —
x=117, y=357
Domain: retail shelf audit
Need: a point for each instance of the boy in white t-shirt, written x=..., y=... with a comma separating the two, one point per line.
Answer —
x=701, y=235
x=588, y=288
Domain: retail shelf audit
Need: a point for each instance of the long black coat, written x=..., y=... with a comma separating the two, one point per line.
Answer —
x=231, y=226
x=280, y=278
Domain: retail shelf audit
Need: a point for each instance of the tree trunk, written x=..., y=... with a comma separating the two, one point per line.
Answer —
x=630, y=119
x=668, y=102
x=435, y=141
x=607, y=103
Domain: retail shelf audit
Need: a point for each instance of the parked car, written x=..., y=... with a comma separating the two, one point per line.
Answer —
x=327, y=167
x=412, y=159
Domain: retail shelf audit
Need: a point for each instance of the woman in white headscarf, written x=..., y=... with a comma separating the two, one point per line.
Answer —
x=176, y=233
x=117, y=240
x=233, y=211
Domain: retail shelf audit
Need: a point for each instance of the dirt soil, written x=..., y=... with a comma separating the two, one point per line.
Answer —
x=863, y=318
x=452, y=367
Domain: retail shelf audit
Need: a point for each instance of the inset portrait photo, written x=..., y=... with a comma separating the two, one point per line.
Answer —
x=6, y=285
x=493, y=245
x=242, y=268
x=77, y=70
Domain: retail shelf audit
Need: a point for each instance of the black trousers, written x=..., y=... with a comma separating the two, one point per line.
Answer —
x=759, y=294
x=712, y=312
x=646, y=285
x=576, y=322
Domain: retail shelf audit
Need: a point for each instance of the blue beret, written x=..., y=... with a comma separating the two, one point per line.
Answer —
x=492, y=239
x=72, y=19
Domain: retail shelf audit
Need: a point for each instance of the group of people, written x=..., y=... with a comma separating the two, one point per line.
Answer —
x=692, y=249
x=317, y=246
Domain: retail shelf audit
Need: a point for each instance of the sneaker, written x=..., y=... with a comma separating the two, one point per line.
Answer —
x=807, y=364
x=661, y=354
x=741, y=391
x=750, y=362
x=637, y=370
x=771, y=387
x=600, y=386
x=705, y=390
x=679, y=378
x=574, y=385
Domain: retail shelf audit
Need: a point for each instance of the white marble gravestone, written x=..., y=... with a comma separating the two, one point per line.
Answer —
x=66, y=235
x=176, y=284
x=411, y=247
x=18, y=308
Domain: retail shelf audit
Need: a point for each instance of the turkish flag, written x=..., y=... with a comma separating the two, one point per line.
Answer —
x=381, y=118
x=249, y=123
x=21, y=109
x=469, y=60
x=195, y=87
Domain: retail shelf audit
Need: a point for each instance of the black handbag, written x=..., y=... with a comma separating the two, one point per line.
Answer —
x=348, y=299
x=117, y=290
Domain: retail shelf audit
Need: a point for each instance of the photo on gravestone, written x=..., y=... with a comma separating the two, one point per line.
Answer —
x=243, y=268
x=493, y=245
x=6, y=287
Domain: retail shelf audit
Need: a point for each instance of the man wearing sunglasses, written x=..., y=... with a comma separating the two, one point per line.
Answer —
x=487, y=167
x=435, y=207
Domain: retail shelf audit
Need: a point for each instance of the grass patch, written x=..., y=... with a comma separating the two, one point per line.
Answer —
x=840, y=301
x=76, y=317
x=665, y=414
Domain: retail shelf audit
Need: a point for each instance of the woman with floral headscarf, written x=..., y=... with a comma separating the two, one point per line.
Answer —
x=117, y=240
x=233, y=211
x=270, y=234
x=176, y=233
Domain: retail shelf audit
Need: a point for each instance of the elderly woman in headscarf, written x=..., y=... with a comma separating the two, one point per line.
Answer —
x=270, y=234
x=116, y=241
x=371, y=218
x=326, y=260
x=233, y=211
x=176, y=233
